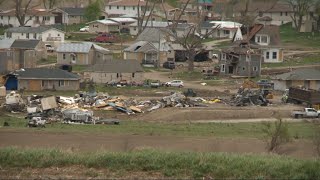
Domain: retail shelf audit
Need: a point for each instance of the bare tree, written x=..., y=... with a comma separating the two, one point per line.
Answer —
x=276, y=135
x=49, y=4
x=22, y=8
x=191, y=43
x=2, y=1
x=142, y=24
x=300, y=8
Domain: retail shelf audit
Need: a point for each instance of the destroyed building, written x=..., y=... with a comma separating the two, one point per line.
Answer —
x=241, y=59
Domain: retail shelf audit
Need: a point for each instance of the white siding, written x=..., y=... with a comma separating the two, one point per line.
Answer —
x=6, y=20
x=40, y=36
x=129, y=10
x=268, y=55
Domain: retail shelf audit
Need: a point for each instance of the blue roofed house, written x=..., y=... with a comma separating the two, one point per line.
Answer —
x=84, y=53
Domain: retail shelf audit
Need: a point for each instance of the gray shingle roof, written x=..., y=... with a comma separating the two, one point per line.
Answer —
x=75, y=47
x=6, y=43
x=38, y=29
x=25, y=44
x=300, y=74
x=45, y=73
x=83, y=47
x=74, y=11
x=151, y=35
x=117, y=66
x=140, y=46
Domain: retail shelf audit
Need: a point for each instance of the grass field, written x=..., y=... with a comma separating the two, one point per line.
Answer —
x=50, y=59
x=310, y=60
x=252, y=130
x=168, y=164
x=290, y=37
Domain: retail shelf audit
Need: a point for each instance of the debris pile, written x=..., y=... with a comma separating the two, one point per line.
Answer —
x=247, y=97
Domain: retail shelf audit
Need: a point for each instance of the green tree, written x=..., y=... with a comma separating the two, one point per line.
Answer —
x=93, y=11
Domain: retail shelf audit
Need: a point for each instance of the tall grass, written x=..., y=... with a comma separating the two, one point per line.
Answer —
x=170, y=164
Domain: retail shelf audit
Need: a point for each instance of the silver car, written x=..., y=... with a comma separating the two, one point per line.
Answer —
x=175, y=83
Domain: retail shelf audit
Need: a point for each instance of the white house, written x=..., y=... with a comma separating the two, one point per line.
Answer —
x=69, y=15
x=103, y=26
x=151, y=24
x=43, y=33
x=34, y=18
x=120, y=7
x=224, y=29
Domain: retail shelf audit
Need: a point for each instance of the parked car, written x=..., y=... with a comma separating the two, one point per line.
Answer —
x=307, y=113
x=105, y=38
x=84, y=29
x=49, y=48
x=155, y=84
x=169, y=65
x=265, y=83
x=175, y=83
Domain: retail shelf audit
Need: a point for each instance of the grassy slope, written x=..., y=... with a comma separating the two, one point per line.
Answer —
x=169, y=164
x=310, y=60
x=252, y=130
x=290, y=37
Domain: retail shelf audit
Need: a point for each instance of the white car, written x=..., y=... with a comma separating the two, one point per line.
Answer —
x=84, y=29
x=175, y=83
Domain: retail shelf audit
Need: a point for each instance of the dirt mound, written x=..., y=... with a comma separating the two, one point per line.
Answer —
x=219, y=111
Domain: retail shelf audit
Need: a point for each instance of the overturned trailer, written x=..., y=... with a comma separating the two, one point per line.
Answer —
x=78, y=116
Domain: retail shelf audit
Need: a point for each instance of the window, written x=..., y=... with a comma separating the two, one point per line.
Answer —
x=42, y=83
x=109, y=7
x=134, y=28
x=63, y=56
x=134, y=8
x=286, y=13
x=27, y=35
x=223, y=68
x=8, y=17
x=133, y=75
x=223, y=56
x=226, y=32
x=274, y=55
x=280, y=13
x=22, y=34
x=61, y=83
x=1, y=17
x=117, y=7
x=8, y=53
x=267, y=55
x=46, y=18
x=58, y=35
x=255, y=68
x=35, y=36
x=124, y=8
x=9, y=35
x=117, y=75
x=243, y=68
x=73, y=58
x=262, y=39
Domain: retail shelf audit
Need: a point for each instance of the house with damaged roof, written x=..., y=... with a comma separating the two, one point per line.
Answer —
x=69, y=15
x=308, y=78
x=38, y=79
x=150, y=48
x=107, y=71
x=16, y=54
x=82, y=53
x=244, y=57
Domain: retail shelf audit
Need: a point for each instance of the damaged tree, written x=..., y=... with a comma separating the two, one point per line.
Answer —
x=301, y=8
x=189, y=40
x=49, y=4
x=276, y=135
x=22, y=7
x=141, y=16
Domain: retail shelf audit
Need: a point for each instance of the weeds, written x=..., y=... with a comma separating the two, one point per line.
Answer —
x=171, y=164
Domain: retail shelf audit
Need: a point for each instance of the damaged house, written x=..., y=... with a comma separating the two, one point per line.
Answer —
x=115, y=71
x=16, y=54
x=241, y=59
x=38, y=79
x=150, y=48
x=83, y=53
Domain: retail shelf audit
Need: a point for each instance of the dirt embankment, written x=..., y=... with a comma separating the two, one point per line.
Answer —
x=120, y=142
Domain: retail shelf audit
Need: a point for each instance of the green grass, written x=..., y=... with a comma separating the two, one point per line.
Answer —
x=291, y=37
x=50, y=59
x=80, y=36
x=189, y=76
x=309, y=60
x=168, y=164
x=252, y=130
x=2, y=29
x=79, y=68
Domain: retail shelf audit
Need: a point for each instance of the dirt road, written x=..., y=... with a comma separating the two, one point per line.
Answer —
x=120, y=142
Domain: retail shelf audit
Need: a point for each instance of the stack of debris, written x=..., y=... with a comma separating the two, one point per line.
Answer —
x=247, y=97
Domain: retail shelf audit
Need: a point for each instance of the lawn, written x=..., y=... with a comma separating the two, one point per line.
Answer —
x=2, y=29
x=188, y=75
x=50, y=60
x=252, y=130
x=308, y=60
x=181, y=165
x=290, y=37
